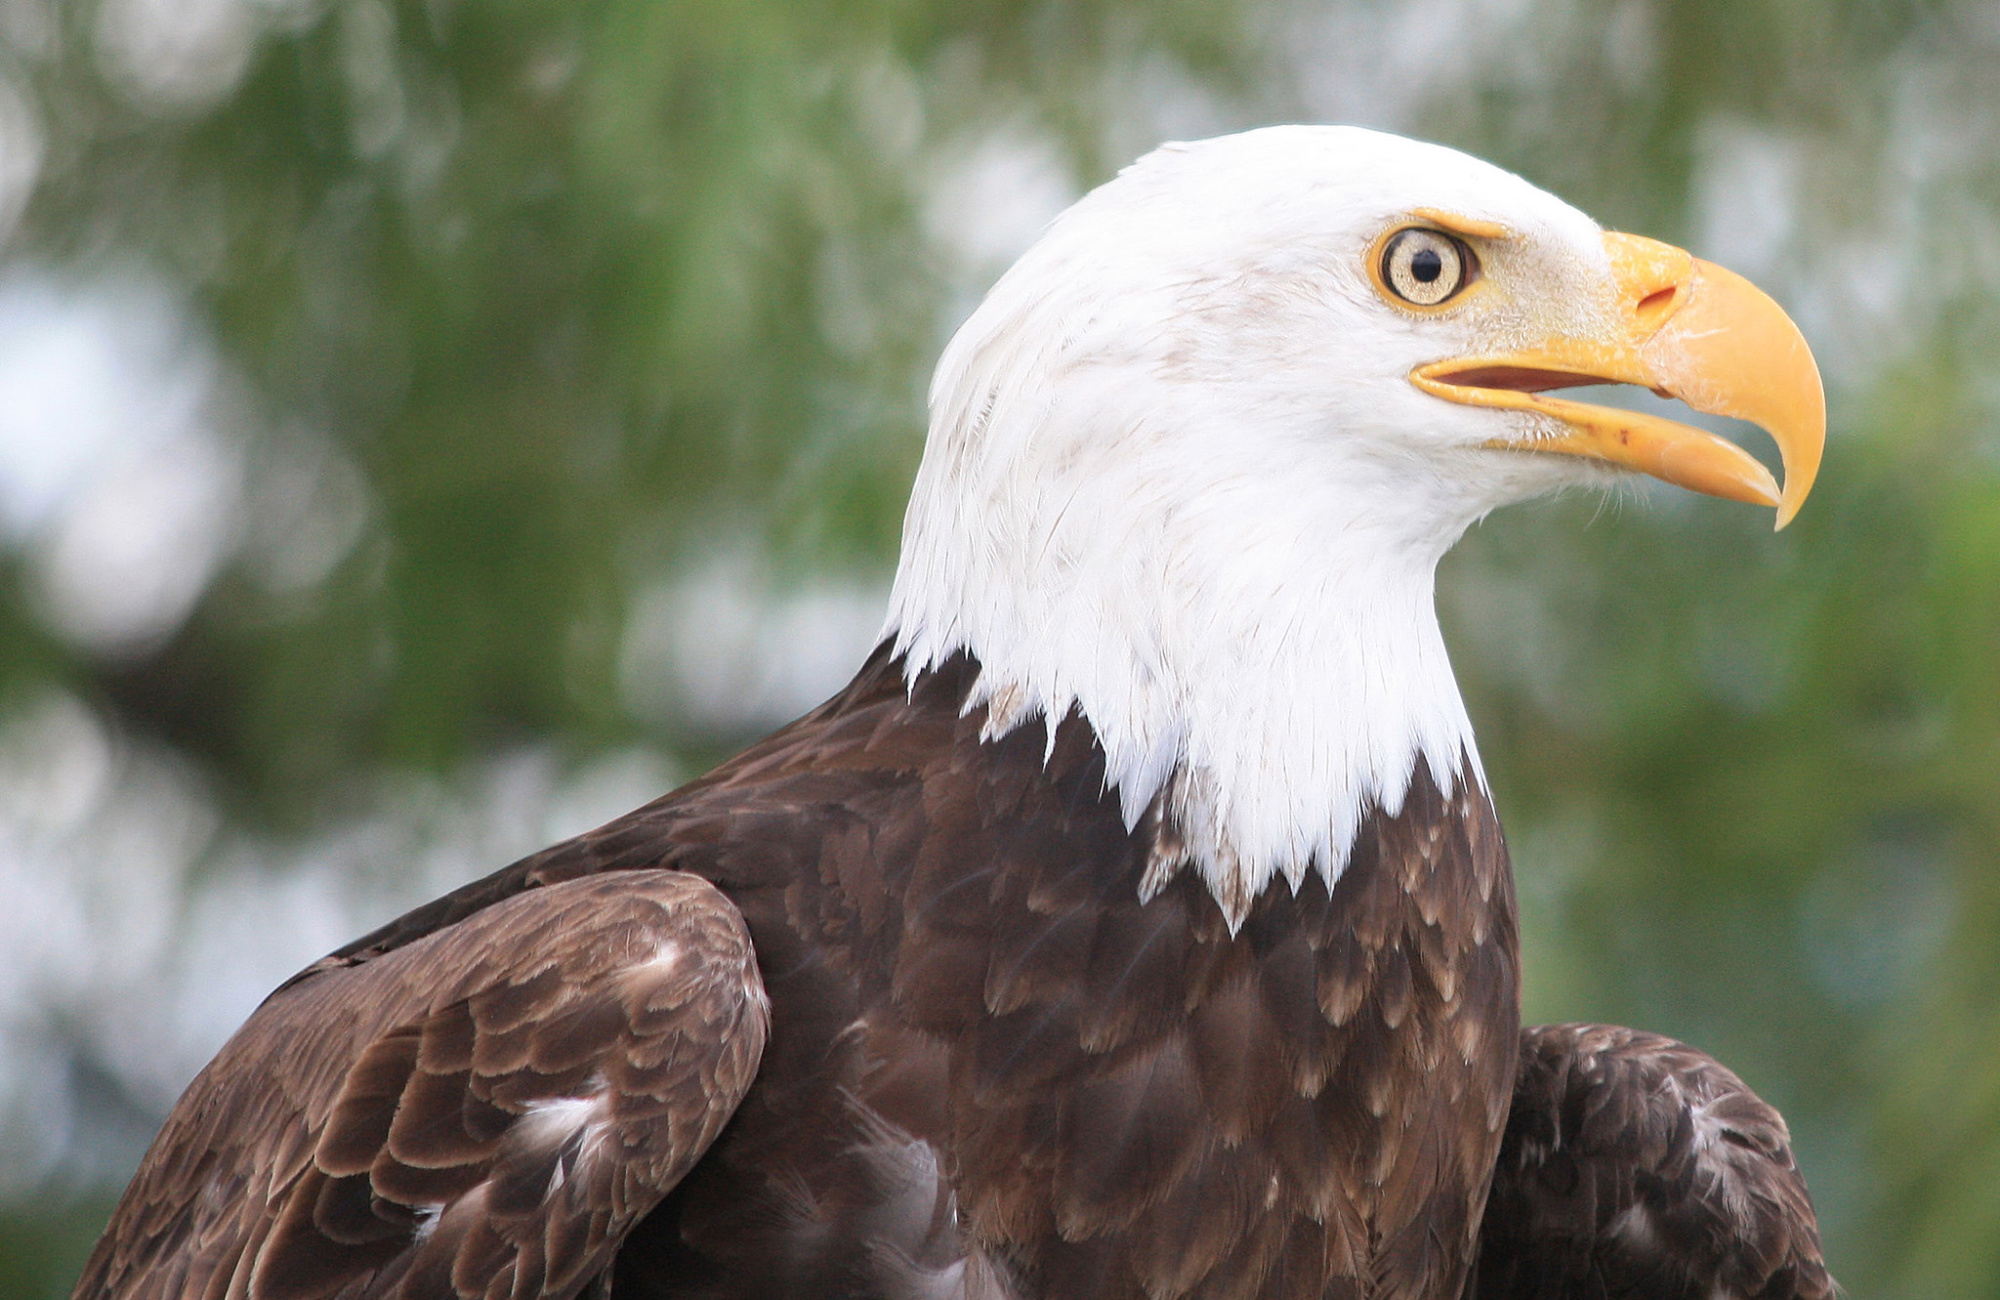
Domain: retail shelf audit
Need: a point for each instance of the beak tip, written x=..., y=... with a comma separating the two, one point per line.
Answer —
x=1792, y=501
x=1799, y=480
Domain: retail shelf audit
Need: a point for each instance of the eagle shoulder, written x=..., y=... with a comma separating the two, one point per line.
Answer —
x=495, y=1103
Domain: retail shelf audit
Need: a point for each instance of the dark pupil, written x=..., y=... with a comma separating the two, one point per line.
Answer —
x=1426, y=265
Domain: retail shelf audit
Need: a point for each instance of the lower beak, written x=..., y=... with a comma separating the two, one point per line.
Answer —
x=1685, y=329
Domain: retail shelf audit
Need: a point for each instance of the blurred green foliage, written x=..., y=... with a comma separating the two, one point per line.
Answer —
x=580, y=288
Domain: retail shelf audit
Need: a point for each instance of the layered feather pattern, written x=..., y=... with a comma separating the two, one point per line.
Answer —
x=484, y=1112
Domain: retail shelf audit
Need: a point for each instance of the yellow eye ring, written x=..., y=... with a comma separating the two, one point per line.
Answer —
x=1424, y=268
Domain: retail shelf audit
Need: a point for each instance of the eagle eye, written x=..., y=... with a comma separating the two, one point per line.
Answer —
x=1425, y=268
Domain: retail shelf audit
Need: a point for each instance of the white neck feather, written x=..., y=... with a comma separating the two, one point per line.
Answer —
x=1273, y=736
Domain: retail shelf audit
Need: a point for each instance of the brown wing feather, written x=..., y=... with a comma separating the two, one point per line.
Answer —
x=1636, y=1166
x=485, y=1110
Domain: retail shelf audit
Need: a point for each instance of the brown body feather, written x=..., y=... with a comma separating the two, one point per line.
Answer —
x=991, y=1068
x=991, y=1071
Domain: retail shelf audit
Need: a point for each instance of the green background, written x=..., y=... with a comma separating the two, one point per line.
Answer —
x=471, y=417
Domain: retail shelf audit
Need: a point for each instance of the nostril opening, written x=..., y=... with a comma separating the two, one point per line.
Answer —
x=1658, y=300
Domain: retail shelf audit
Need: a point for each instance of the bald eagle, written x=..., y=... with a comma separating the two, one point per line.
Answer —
x=1137, y=922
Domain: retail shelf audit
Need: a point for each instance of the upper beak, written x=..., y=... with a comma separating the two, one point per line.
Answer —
x=1685, y=328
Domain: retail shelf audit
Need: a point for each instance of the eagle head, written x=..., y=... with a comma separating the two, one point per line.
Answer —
x=1193, y=461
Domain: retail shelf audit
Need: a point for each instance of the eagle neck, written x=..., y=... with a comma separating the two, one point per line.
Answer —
x=1272, y=673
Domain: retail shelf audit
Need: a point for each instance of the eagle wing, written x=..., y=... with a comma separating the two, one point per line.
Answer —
x=485, y=1110
x=1636, y=1166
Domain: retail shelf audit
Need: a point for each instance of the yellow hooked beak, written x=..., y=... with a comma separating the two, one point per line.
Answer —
x=1686, y=329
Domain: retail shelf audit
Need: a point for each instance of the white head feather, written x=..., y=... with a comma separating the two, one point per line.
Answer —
x=1178, y=479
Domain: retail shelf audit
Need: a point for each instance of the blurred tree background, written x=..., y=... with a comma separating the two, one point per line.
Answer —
x=429, y=428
